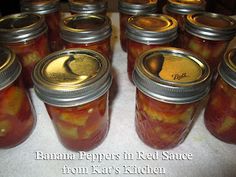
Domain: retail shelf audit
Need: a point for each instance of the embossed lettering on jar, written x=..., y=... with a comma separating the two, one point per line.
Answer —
x=148, y=31
x=26, y=35
x=16, y=112
x=88, y=31
x=88, y=7
x=128, y=8
x=171, y=85
x=220, y=113
x=50, y=10
x=208, y=35
x=74, y=86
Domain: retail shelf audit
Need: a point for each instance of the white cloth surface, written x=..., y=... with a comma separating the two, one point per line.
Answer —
x=210, y=157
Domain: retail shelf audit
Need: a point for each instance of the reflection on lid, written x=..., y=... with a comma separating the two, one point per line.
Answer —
x=4, y=58
x=18, y=21
x=232, y=59
x=173, y=68
x=71, y=69
x=152, y=23
x=213, y=21
x=84, y=22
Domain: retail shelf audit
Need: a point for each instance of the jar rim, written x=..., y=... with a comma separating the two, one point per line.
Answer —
x=71, y=77
x=185, y=7
x=137, y=8
x=171, y=91
x=10, y=67
x=21, y=27
x=40, y=7
x=71, y=31
x=210, y=26
x=227, y=68
x=87, y=7
x=163, y=31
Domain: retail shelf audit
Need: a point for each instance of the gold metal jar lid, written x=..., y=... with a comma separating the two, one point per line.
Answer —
x=227, y=68
x=136, y=7
x=21, y=27
x=210, y=26
x=87, y=6
x=72, y=77
x=39, y=6
x=172, y=75
x=152, y=28
x=85, y=28
x=184, y=7
x=10, y=68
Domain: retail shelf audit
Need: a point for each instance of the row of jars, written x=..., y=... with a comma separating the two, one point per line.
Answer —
x=51, y=10
x=26, y=34
x=184, y=24
x=65, y=130
x=172, y=85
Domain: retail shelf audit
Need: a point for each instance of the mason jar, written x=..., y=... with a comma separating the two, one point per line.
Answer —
x=50, y=10
x=88, y=6
x=26, y=35
x=88, y=31
x=17, y=116
x=220, y=113
x=148, y=31
x=208, y=35
x=74, y=85
x=128, y=8
x=171, y=85
x=178, y=9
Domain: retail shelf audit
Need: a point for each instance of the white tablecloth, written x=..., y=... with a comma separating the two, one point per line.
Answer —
x=210, y=157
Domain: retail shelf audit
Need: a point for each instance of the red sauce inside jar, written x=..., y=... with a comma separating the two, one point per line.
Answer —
x=220, y=113
x=53, y=21
x=162, y=125
x=88, y=31
x=29, y=54
x=81, y=127
x=16, y=117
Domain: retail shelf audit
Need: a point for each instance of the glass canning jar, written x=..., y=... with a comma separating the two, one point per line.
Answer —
x=148, y=31
x=50, y=10
x=128, y=8
x=208, y=35
x=88, y=31
x=171, y=85
x=88, y=6
x=17, y=116
x=178, y=9
x=74, y=86
x=220, y=113
x=26, y=35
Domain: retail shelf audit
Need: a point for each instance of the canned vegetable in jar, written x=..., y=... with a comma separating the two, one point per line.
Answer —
x=16, y=111
x=88, y=31
x=148, y=31
x=208, y=35
x=220, y=113
x=128, y=8
x=74, y=85
x=88, y=6
x=178, y=9
x=170, y=86
x=50, y=10
x=26, y=35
